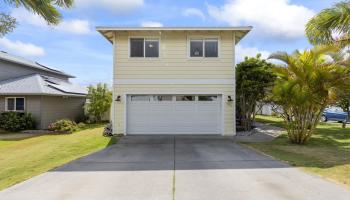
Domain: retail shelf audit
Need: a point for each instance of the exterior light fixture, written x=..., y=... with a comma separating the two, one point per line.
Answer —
x=229, y=99
x=118, y=98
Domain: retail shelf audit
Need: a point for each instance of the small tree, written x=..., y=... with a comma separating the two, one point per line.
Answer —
x=306, y=85
x=100, y=100
x=254, y=77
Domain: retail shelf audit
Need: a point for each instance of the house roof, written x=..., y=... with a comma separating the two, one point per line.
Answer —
x=36, y=84
x=28, y=63
x=107, y=32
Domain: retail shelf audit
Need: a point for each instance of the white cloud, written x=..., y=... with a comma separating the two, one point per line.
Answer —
x=151, y=24
x=113, y=5
x=242, y=52
x=75, y=26
x=194, y=12
x=21, y=48
x=274, y=17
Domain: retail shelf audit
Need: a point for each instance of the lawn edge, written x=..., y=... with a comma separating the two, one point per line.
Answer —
x=303, y=169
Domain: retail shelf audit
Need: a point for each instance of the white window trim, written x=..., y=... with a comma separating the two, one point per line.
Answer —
x=144, y=46
x=203, y=39
x=15, y=109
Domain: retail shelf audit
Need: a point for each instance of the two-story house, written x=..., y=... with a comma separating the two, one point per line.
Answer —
x=46, y=93
x=174, y=80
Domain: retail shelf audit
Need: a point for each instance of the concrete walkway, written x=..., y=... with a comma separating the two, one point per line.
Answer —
x=176, y=167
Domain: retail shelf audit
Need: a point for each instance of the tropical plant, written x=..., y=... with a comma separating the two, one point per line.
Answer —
x=99, y=101
x=254, y=79
x=309, y=82
x=47, y=9
x=330, y=25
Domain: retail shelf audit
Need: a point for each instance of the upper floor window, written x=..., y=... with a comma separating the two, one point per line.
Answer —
x=208, y=48
x=142, y=47
x=14, y=104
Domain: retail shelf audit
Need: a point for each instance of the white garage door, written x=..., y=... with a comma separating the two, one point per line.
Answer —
x=173, y=114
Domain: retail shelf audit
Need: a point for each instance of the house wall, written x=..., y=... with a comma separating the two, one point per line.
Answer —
x=11, y=70
x=174, y=71
x=47, y=109
x=32, y=105
x=55, y=108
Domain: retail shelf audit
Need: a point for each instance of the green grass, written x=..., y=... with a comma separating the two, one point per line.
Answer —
x=22, y=158
x=327, y=153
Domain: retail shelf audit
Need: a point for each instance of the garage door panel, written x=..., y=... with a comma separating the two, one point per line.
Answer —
x=173, y=117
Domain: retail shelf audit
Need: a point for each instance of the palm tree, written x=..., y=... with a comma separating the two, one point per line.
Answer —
x=308, y=82
x=45, y=8
x=330, y=25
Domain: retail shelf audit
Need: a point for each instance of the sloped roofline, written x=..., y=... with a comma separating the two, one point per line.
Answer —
x=32, y=64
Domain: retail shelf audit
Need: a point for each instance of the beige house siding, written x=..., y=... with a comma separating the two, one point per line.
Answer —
x=173, y=61
x=174, y=64
x=55, y=108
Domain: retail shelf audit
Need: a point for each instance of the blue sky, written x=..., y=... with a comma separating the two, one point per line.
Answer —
x=76, y=48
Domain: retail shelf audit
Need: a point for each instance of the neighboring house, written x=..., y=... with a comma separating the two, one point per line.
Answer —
x=47, y=94
x=174, y=80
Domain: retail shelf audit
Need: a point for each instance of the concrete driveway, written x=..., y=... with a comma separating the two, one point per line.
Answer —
x=176, y=167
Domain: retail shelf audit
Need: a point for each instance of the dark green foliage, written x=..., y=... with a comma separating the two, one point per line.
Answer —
x=254, y=79
x=63, y=125
x=13, y=121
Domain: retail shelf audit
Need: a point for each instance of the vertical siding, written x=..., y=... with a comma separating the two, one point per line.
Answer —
x=32, y=105
x=55, y=108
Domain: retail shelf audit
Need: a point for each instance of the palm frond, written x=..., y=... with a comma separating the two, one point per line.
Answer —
x=45, y=8
x=335, y=20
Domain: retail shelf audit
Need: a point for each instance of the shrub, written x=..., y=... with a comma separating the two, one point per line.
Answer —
x=13, y=121
x=63, y=125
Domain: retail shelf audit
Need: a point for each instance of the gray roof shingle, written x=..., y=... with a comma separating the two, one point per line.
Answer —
x=36, y=84
x=28, y=63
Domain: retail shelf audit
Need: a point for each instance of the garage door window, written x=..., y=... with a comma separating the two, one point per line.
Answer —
x=162, y=98
x=207, y=98
x=185, y=98
x=140, y=98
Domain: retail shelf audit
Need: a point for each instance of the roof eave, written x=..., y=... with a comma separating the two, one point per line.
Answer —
x=106, y=29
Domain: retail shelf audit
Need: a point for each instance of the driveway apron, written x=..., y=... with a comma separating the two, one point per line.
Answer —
x=176, y=167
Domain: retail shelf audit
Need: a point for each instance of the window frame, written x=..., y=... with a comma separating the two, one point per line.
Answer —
x=203, y=38
x=15, y=104
x=156, y=38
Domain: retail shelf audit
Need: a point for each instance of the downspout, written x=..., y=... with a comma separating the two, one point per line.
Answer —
x=113, y=118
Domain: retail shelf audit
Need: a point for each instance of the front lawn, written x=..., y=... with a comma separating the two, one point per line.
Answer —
x=22, y=158
x=327, y=153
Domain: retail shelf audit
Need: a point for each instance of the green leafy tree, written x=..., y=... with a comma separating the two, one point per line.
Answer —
x=330, y=25
x=100, y=100
x=48, y=9
x=254, y=78
x=306, y=85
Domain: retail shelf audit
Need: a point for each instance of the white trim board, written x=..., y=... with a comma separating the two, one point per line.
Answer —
x=174, y=81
